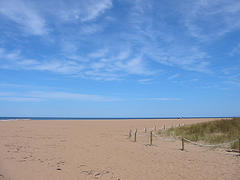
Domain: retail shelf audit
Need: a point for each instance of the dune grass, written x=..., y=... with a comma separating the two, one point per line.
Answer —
x=212, y=132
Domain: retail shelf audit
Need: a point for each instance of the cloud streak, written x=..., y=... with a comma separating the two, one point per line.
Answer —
x=37, y=96
x=24, y=15
x=161, y=99
x=86, y=44
x=207, y=20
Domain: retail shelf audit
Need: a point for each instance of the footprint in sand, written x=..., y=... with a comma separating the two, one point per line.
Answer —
x=1, y=177
x=59, y=164
x=94, y=173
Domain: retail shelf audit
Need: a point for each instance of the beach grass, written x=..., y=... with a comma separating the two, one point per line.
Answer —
x=212, y=132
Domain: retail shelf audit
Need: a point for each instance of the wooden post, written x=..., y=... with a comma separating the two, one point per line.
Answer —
x=130, y=134
x=164, y=127
x=155, y=128
x=239, y=146
x=135, y=136
x=179, y=125
x=150, y=138
x=145, y=130
x=182, y=143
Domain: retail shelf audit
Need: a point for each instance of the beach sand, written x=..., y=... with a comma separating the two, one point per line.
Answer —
x=100, y=149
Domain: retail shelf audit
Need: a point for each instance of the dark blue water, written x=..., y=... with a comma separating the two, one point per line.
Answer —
x=89, y=118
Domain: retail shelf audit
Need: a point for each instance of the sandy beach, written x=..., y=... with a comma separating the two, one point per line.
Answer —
x=100, y=149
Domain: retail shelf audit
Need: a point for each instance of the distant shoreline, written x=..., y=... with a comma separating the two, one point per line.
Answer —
x=107, y=118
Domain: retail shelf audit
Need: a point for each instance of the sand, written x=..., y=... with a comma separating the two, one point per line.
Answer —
x=100, y=149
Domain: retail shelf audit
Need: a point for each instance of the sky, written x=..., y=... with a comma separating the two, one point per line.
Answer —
x=119, y=58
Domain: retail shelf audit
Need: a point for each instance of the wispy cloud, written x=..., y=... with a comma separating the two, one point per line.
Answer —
x=12, y=55
x=231, y=76
x=161, y=46
x=23, y=13
x=95, y=8
x=103, y=66
x=173, y=76
x=83, y=11
x=33, y=17
x=144, y=81
x=99, y=53
x=134, y=66
x=207, y=20
x=20, y=99
x=161, y=99
x=36, y=96
x=90, y=28
x=123, y=55
x=235, y=50
x=139, y=42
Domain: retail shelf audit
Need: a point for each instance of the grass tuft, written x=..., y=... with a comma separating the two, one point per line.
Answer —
x=212, y=132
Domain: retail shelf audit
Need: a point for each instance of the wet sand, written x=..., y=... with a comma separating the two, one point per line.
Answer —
x=100, y=149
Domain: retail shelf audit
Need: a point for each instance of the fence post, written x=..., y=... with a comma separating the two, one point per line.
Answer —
x=155, y=128
x=130, y=134
x=182, y=143
x=135, y=135
x=145, y=130
x=239, y=146
x=150, y=138
x=164, y=127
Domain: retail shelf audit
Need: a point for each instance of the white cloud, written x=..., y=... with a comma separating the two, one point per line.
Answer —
x=20, y=99
x=187, y=58
x=6, y=55
x=99, y=68
x=36, y=18
x=36, y=96
x=58, y=66
x=99, y=53
x=207, y=20
x=164, y=46
x=83, y=11
x=174, y=76
x=24, y=15
x=145, y=44
x=68, y=47
x=123, y=55
x=134, y=66
x=235, y=50
x=96, y=8
x=144, y=81
x=231, y=75
x=90, y=28
x=161, y=99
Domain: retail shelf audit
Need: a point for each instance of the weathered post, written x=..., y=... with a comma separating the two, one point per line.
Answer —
x=130, y=134
x=239, y=146
x=155, y=128
x=150, y=138
x=135, y=135
x=182, y=143
x=164, y=127
x=145, y=130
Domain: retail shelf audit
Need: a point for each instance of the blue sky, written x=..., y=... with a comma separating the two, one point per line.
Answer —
x=119, y=58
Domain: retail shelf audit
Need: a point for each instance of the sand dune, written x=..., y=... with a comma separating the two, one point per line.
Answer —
x=100, y=149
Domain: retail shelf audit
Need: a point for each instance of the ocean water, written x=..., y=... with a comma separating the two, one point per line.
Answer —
x=94, y=118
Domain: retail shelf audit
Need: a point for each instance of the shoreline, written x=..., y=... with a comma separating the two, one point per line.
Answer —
x=127, y=118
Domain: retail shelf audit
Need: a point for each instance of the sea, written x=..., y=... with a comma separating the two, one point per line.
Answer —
x=95, y=118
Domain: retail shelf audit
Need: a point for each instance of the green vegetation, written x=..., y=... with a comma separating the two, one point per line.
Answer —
x=212, y=132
